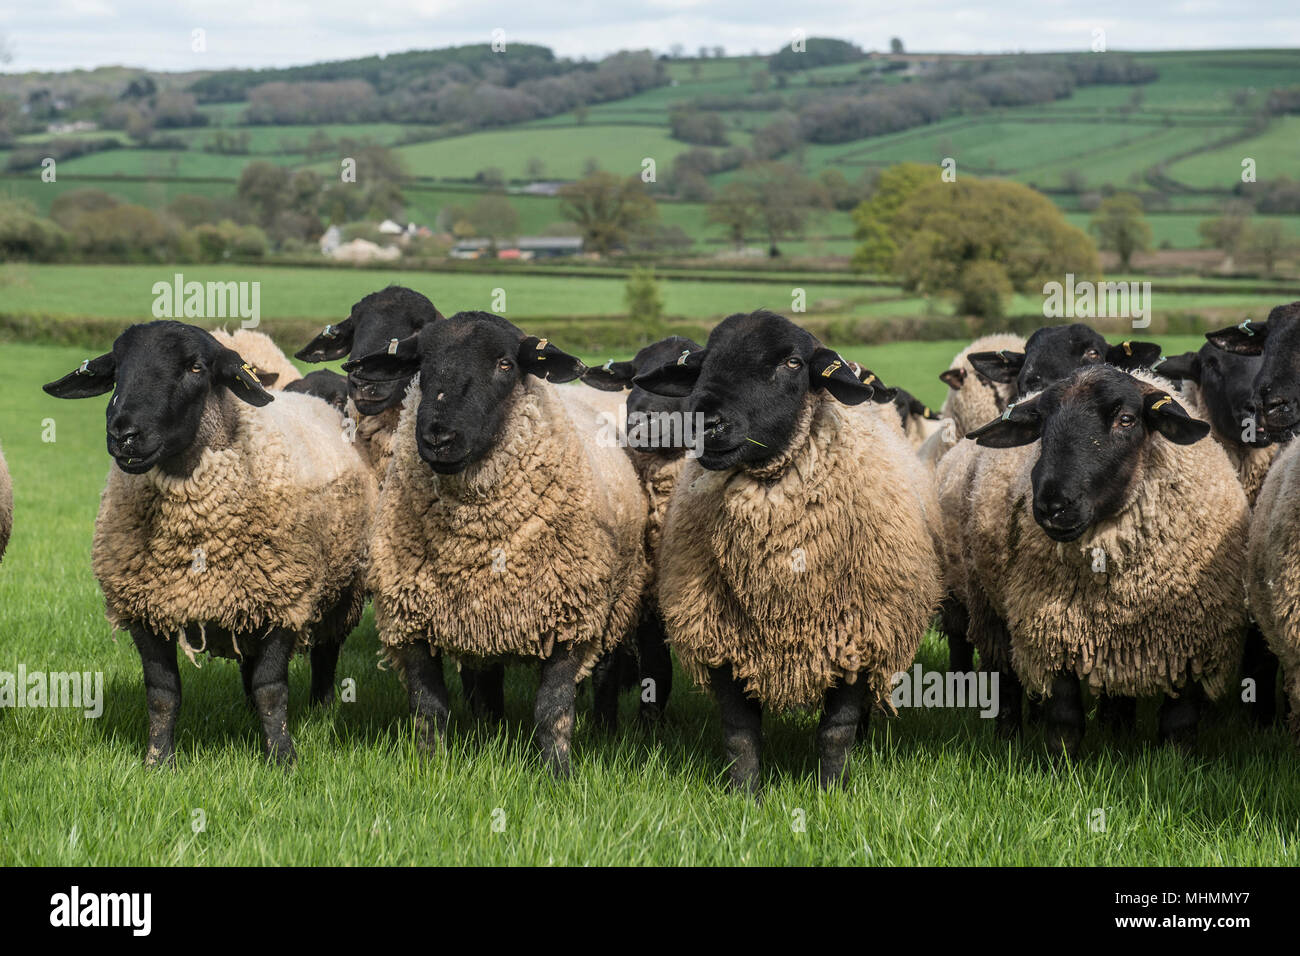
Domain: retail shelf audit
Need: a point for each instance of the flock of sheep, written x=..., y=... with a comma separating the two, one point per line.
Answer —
x=1064, y=515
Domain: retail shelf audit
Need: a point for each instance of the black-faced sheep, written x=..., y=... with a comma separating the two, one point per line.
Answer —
x=657, y=463
x=1273, y=557
x=796, y=569
x=328, y=386
x=1102, y=542
x=504, y=529
x=1052, y=353
x=230, y=523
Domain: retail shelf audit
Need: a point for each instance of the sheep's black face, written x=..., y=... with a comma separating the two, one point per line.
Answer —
x=1275, y=394
x=1053, y=353
x=469, y=367
x=163, y=373
x=1092, y=427
x=748, y=386
x=1227, y=386
x=643, y=405
x=328, y=386
x=375, y=322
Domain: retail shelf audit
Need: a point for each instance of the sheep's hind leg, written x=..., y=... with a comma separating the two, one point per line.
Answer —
x=1063, y=716
x=656, y=667
x=1260, y=665
x=485, y=690
x=162, y=687
x=954, y=621
x=837, y=731
x=742, y=728
x=1179, y=717
x=554, y=708
x=1118, y=714
x=607, y=679
x=271, y=694
x=426, y=690
x=324, y=665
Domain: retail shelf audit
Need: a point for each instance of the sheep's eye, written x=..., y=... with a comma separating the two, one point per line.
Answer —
x=1092, y=354
x=1127, y=420
x=505, y=365
x=794, y=361
x=196, y=367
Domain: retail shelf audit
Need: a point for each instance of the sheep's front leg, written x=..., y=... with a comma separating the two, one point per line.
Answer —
x=607, y=680
x=485, y=691
x=1260, y=665
x=162, y=690
x=1119, y=714
x=1179, y=717
x=324, y=665
x=656, y=667
x=1063, y=716
x=271, y=694
x=841, y=711
x=955, y=622
x=426, y=690
x=742, y=729
x=554, y=710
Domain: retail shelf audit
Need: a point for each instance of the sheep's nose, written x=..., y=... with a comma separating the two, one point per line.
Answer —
x=439, y=437
x=715, y=426
x=1055, y=507
x=123, y=431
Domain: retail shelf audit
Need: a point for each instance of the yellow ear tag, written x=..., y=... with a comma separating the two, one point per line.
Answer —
x=541, y=344
x=392, y=346
x=869, y=379
x=1161, y=404
x=830, y=370
x=1128, y=348
x=252, y=373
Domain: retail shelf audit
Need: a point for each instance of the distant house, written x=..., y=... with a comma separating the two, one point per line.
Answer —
x=525, y=247
x=549, y=188
x=330, y=240
x=80, y=126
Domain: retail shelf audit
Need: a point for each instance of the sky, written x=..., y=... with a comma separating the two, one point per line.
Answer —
x=69, y=34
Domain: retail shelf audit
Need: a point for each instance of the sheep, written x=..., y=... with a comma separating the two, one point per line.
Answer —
x=504, y=528
x=269, y=364
x=233, y=524
x=1272, y=558
x=657, y=468
x=328, y=386
x=973, y=399
x=376, y=321
x=6, y=505
x=1053, y=352
x=1102, y=541
x=796, y=569
x=1218, y=387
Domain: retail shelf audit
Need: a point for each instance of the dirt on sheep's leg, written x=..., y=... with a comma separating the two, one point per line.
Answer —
x=656, y=667
x=324, y=665
x=162, y=688
x=553, y=711
x=1260, y=665
x=954, y=621
x=485, y=691
x=1117, y=714
x=426, y=691
x=1179, y=717
x=742, y=729
x=841, y=712
x=271, y=695
x=1063, y=716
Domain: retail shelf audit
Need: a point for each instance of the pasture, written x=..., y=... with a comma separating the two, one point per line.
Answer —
x=929, y=787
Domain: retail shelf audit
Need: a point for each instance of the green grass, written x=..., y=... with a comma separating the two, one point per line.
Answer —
x=154, y=193
x=930, y=787
x=164, y=163
x=1276, y=152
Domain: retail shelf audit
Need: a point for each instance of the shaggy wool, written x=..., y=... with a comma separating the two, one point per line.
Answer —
x=1140, y=602
x=978, y=402
x=539, y=542
x=1273, y=569
x=6, y=505
x=269, y=530
x=259, y=351
x=374, y=437
x=813, y=568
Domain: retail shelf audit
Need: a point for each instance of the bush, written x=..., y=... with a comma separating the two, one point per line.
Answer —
x=983, y=290
x=645, y=304
x=25, y=235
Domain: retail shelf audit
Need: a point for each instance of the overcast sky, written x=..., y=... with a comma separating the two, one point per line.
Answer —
x=64, y=34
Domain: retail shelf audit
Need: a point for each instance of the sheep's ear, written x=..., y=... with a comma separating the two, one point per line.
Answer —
x=400, y=360
x=93, y=377
x=610, y=377
x=539, y=357
x=267, y=378
x=674, y=380
x=1170, y=419
x=880, y=393
x=1130, y=355
x=827, y=370
x=1019, y=425
x=1184, y=367
x=241, y=378
x=333, y=343
x=1244, y=339
x=953, y=377
x=1001, y=366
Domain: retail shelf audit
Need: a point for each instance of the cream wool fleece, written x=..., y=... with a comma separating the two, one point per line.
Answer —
x=977, y=403
x=258, y=350
x=813, y=568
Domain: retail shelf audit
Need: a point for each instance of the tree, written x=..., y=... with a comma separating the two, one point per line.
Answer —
x=645, y=304
x=493, y=217
x=1269, y=241
x=734, y=207
x=1227, y=231
x=264, y=188
x=1120, y=228
x=895, y=45
x=775, y=199
x=977, y=239
x=874, y=219
x=606, y=208
x=535, y=168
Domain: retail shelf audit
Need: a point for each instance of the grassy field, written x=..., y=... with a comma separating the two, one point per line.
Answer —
x=930, y=787
x=1276, y=152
